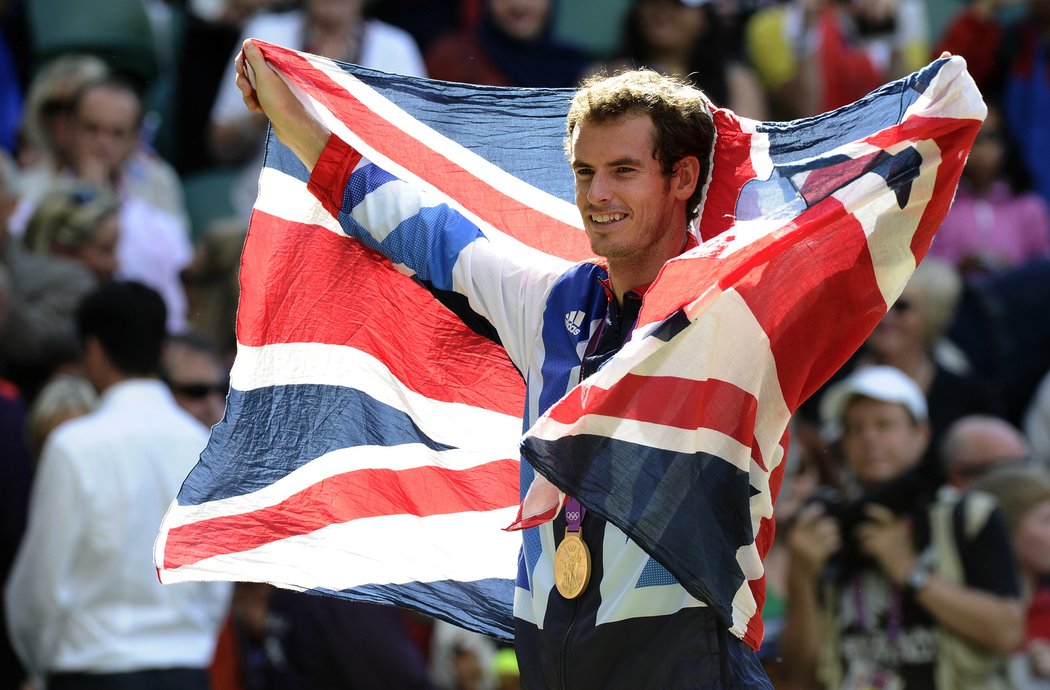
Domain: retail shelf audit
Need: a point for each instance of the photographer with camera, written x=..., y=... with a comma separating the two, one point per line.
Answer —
x=897, y=585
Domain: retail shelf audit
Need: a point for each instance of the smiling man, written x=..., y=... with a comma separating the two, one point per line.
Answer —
x=592, y=609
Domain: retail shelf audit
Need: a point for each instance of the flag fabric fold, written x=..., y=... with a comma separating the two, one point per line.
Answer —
x=370, y=447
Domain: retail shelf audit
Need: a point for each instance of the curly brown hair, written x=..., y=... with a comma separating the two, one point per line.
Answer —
x=680, y=112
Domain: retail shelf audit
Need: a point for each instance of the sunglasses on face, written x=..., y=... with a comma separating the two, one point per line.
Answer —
x=200, y=389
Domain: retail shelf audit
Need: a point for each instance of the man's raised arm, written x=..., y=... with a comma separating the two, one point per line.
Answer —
x=265, y=92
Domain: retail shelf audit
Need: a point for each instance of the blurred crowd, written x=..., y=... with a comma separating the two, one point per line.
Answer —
x=913, y=546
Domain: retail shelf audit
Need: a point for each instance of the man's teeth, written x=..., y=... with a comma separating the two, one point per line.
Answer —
x=607, y=217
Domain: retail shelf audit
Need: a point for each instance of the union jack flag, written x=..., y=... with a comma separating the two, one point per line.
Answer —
x=370, y=448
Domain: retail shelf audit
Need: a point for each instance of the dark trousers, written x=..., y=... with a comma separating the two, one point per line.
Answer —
x=156, y=679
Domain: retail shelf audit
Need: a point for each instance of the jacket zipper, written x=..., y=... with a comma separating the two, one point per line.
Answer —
x=565, y=644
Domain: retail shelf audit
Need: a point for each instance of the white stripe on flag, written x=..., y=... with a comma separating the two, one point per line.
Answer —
x=391, y=549
x=890, y=229
x=342, y=461
x=285, y=197
x=455, y=424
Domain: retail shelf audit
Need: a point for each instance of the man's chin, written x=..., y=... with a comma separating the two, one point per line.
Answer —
x=604, y=246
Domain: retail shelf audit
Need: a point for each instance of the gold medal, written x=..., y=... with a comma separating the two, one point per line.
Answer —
x=572, y=566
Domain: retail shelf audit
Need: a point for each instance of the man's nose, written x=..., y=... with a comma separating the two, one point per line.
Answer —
x=599, y=190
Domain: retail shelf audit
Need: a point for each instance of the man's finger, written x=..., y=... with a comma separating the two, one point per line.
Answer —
x=253, y=60
x=249, y=71
x=877, y=513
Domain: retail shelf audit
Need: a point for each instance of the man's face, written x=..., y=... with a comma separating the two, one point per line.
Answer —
x=1032, y=540
x=903, y=328
x=880, y=440
x=670, y=25
x=628, y=205
x=979, y=447
x=335, y=12
x=198, y=383
x=524, y=20
x=105, y=130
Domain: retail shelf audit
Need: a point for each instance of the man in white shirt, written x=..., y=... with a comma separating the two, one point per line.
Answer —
x=84, y=606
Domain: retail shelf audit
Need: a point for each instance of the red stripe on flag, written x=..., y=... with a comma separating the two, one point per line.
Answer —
x=319, y=305
x=346, y=497
x=669, y=401
x=525, y=223
x=801, y=302
x=731, y=168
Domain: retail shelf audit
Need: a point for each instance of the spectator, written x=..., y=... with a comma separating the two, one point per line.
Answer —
x=426, y=20
x=64, y=397
x=1026, y=91
x=213, y=287
x=897, y=587
x=154, y=243
x=208, y=37
x=1024, y=494
x=82, y=224
x=686, y=37
x=817, y=55
x=46, y=123
x=511, y=46
x=83, y=123
x=976, y=34
x=976, y=444
x=103, y=151
x=38, y=336
x=84, y=606
x=335, y=29
x=996, y=222
x=196, y=376
x=15, y=471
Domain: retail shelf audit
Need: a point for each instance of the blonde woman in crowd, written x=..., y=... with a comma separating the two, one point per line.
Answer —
x=81, y=224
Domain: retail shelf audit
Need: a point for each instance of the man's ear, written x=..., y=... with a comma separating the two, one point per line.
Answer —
x=93, y=350
x=685, y=177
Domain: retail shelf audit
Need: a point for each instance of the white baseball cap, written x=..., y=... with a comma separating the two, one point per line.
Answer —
x=884, y=383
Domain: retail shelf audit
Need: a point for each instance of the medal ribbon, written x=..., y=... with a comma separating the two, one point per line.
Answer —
x=574, y=513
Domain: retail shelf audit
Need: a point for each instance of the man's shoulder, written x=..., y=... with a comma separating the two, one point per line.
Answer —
x=77, y=438
x=584, y=274
x=107, y=425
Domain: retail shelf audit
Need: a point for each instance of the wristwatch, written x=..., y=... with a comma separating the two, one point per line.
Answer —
x=917, y=579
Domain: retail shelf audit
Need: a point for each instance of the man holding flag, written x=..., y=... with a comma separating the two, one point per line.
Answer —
x=638, y=171
x=650, y=513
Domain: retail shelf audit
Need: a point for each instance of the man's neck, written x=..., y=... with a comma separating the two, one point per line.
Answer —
x=110, y=380
x=632, y=275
